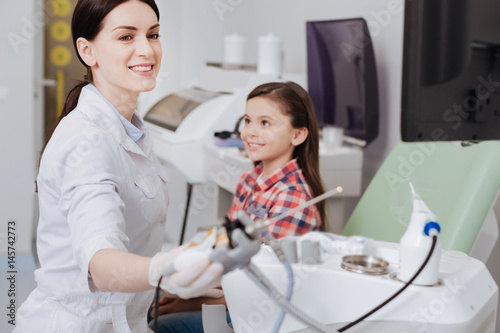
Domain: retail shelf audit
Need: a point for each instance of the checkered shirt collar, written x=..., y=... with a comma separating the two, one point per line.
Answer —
x=267, y=182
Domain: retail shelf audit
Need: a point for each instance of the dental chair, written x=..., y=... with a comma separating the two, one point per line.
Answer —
x=459, y=183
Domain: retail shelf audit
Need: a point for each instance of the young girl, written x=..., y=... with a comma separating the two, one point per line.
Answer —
x=102, y=193
x=281, y=137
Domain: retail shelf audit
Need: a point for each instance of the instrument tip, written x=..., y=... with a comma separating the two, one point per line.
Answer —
x=339, y=189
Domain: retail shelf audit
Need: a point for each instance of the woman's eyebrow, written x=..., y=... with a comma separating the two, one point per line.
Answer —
x=128, y=27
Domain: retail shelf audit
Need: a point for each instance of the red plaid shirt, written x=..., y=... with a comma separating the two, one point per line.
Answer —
x=284, y=189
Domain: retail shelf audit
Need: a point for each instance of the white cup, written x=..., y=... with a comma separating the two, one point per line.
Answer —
x=234, y=46
x=289, y=247
x=270, y=54
x=332, y=137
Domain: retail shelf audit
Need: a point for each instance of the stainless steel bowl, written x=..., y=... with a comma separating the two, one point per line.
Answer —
x=365, y=264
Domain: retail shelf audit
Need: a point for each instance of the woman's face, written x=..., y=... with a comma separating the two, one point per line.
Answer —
x=127, y=50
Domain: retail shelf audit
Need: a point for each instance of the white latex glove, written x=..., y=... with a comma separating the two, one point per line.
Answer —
x=197, y=278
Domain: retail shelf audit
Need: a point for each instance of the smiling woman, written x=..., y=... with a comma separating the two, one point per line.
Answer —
x=125, y=57
x=102, y=193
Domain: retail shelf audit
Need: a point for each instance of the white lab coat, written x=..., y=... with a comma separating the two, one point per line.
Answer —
x=97, y=189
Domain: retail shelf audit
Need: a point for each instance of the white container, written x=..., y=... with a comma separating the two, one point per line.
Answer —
x=234, y=46
x=270, y=55
x=415, y=246
x=333, y=137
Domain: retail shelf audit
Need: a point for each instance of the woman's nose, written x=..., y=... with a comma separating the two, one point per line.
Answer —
x=143, y=48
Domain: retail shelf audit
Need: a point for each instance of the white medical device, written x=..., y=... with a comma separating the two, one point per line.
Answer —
x=332, y=283
x=335, y=293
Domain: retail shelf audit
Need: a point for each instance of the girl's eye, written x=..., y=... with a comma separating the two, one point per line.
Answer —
x=265, y=123
x=247, y=121
x=126, y=38
x=154, y=36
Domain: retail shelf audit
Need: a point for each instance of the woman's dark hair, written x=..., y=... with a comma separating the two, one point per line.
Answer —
x=297, y=104
x=87, y=22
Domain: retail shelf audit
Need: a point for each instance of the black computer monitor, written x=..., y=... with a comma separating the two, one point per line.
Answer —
x=342, y=78
x=451, y=70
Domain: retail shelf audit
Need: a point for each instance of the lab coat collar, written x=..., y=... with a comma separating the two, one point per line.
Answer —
x=133, y=128
x=97, y=108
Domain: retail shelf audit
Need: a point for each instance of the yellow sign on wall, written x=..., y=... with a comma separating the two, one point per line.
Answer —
x=60, y=55
x=61, y=64
x=60, y=31
x=61, y=7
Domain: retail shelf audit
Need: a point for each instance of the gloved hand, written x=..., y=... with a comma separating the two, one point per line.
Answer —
x=199, y=277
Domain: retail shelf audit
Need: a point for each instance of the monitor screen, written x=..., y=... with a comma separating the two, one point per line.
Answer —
x=342, y=78
x=451, y=70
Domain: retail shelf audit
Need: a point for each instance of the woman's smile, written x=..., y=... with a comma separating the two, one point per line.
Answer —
x=143, y=69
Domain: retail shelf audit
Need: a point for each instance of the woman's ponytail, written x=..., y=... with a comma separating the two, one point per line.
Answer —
x=69, y=105
x=74, y=94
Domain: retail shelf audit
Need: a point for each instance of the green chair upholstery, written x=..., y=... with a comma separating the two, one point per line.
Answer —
x=459, y=184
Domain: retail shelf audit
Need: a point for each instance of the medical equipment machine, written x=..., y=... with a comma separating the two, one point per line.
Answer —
x=336, y=290
x=464, y=299
x=332, y=286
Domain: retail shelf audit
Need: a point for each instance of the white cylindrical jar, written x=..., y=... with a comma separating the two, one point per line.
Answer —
x=234, y=46
x=270, y=55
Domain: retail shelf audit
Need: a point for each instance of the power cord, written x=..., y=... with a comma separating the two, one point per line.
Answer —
x=360, y=319
x=157, y=304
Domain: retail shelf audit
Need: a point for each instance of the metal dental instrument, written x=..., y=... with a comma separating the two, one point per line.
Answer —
x=261, y=225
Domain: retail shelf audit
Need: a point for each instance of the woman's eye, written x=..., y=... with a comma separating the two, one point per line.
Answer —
x=265, y=123
x=154, y=36
x=247, y=121
x=126, y=38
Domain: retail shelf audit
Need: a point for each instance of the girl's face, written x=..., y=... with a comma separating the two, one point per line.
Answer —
x=268, y=134
x=127, y=51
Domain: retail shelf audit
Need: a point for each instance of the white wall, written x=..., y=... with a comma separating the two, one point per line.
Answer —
x=170, y=71
x=20, y=119
x=190, y=35
x=205, y=23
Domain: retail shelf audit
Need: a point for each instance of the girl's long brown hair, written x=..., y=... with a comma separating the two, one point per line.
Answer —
x=87, y=23
x=297, y=104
